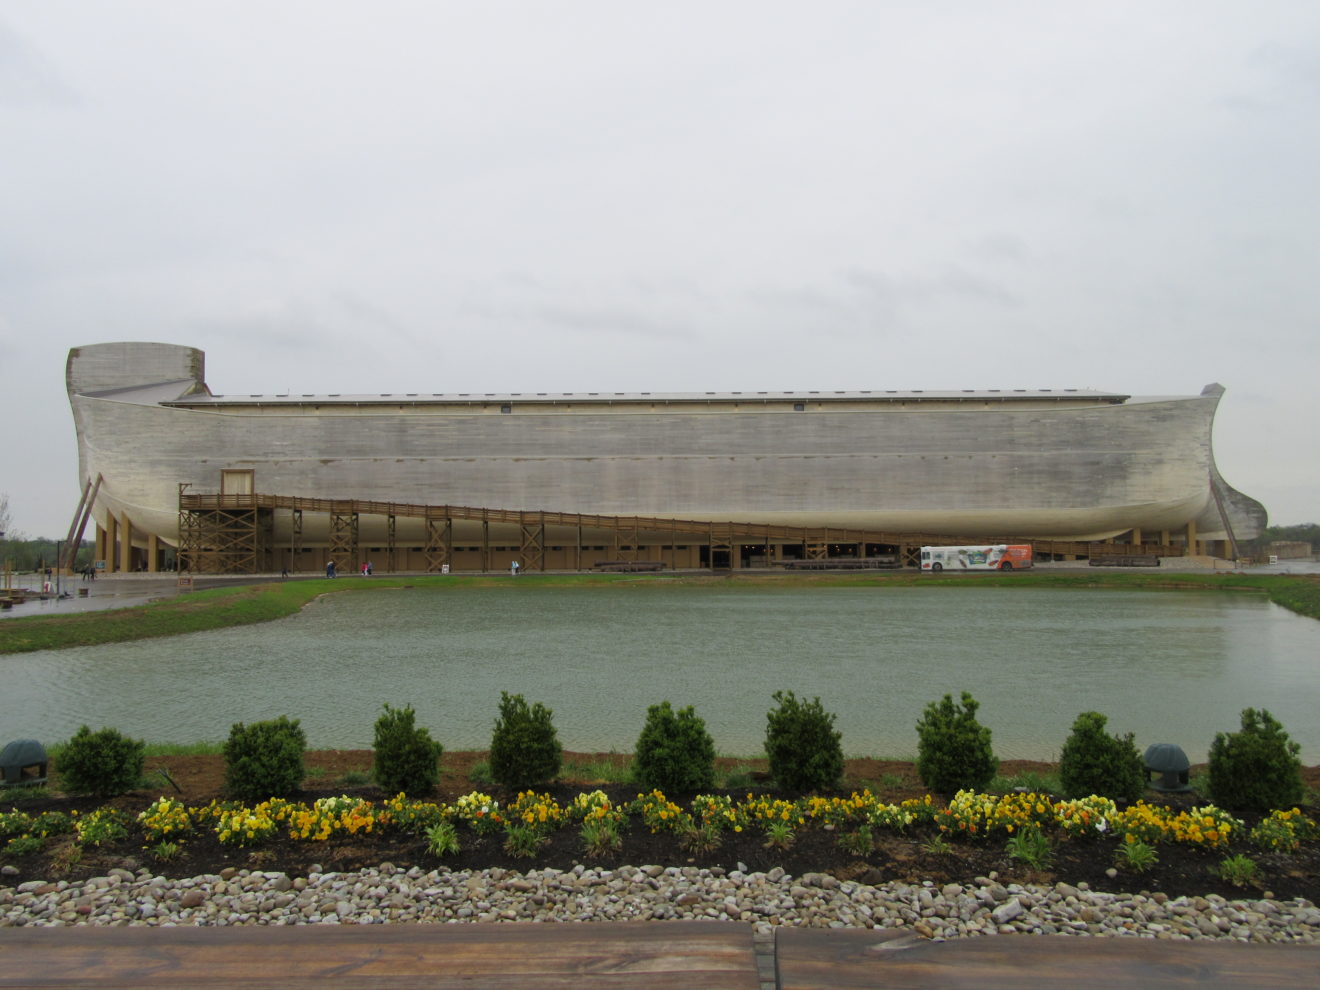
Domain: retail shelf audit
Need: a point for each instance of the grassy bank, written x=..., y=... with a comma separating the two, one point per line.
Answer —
x=217, y=608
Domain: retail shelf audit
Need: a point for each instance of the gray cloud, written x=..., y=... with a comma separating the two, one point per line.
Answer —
x=28, y=78
x=684, y=197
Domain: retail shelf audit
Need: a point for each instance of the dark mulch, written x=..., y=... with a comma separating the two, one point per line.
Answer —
x=1181, y=870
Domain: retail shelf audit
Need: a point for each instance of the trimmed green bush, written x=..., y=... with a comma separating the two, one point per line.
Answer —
x=953, y=748
x=1257, y=769
x=104, y=763
x=1095, y=762
x=804, y=748
x=265, y=759
x=407, y=759
x=525, y=750
x=674, y=753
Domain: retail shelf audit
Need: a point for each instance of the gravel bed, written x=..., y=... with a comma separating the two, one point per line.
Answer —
x=385, y=894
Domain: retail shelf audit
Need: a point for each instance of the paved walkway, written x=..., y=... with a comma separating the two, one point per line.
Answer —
x=117, y=591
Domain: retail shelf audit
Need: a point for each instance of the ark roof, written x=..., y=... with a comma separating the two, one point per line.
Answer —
x=1089, y=396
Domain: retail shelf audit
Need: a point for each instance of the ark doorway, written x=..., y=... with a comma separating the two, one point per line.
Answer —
x=718, y=559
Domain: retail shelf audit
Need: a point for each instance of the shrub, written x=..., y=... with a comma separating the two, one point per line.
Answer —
x=675, y=753
x=1031, y=847
x=101, y=826
x=953, y=748
x=1239, y=870
x=523, y=841
x=524, y=750
x=858, y=843
x=1256, y=769
x=1094, y=762
x=442, y=839
x=407, y=759
x=1137, y=856
x=104, y=763
x=264, y=759
x=600, y=838
x=779, y=835
x=802, y=744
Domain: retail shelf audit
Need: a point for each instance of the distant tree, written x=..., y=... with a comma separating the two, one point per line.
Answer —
x=1302, y=533
x=7, y=536
x=31, y=555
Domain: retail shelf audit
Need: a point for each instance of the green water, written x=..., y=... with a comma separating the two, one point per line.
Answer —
x=1170, y=667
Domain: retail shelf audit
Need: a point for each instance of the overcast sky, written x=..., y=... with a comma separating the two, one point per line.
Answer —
x=329, y=196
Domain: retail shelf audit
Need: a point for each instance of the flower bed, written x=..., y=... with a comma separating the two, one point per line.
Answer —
x=1143, y=846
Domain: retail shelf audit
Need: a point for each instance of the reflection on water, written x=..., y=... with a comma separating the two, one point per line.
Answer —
x=1171, y=667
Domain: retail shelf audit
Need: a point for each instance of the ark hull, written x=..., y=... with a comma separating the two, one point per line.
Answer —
x=1051, y=464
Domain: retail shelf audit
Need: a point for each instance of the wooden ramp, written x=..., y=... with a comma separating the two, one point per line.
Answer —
x=683, y=955
x=816, y=959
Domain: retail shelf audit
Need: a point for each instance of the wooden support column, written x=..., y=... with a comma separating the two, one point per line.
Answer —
x=1193, y=547
x=439, y=548
x=531, y=542
x=73, y=542
x=577, y=550
x=111, y=543
x=153, y=553
x=390, y=543
x=295, y=539
x=343, y=549
x=125, y=543
x=101, y=543
x=485, y=542
x=1136, y=536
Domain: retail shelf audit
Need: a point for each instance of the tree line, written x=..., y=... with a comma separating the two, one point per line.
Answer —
x=1301, y=533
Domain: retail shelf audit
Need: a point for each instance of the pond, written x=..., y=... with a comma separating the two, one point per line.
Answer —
x=1167, y=666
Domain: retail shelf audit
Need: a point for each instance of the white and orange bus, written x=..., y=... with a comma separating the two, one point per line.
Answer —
x=999, y=557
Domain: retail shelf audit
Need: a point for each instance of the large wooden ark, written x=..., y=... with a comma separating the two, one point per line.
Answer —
x=423, y=481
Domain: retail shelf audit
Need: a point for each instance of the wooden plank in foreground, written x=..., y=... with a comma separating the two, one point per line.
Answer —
x=816, y=959
x=684, y=955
